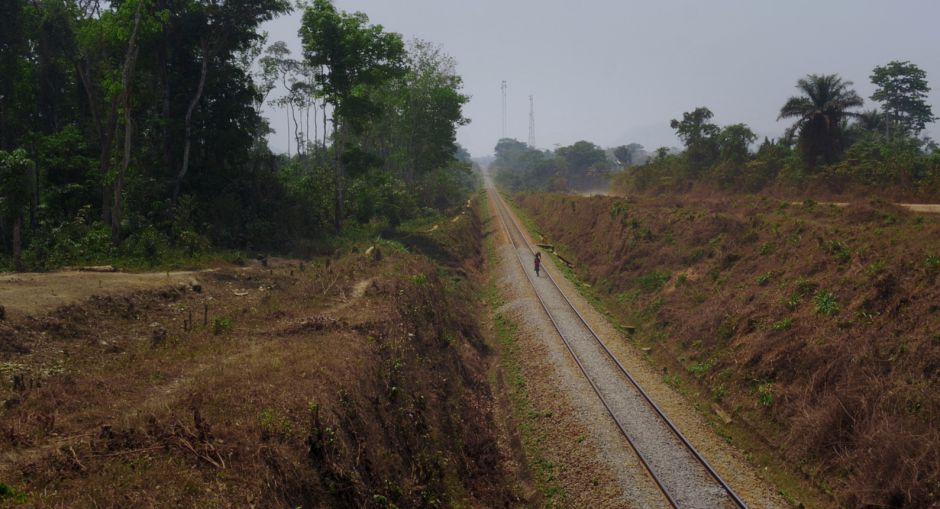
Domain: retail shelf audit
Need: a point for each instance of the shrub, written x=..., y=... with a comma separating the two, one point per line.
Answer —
x=220, y=325
x=654, y=281
x=784, y=324
x=700, y=367
x=826, y=304
x=932, y=263
x=793, y=300
x=805, y=286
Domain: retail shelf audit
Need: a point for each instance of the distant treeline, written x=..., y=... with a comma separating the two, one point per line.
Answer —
x=833, y=147
x=133, y=129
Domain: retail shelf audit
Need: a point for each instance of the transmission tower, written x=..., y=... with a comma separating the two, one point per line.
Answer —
x=504, y=108
x=531, y=122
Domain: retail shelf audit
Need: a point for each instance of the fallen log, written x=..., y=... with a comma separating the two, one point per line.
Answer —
x=98, y=268
x=566, y=262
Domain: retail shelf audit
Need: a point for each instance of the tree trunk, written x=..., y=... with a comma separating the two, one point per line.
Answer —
x=84, y=72
x=189, y=127
x=338, y=145
x=17, y=261
x=129, y=62
x=3, y=231
x=119, y=182
x=165, y=112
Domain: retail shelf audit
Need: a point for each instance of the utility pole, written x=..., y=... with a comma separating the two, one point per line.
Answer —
x=504, y=108
x=531, y=122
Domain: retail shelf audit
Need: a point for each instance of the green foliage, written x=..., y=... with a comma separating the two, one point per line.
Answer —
x=699, y=367
x=273, y=424
x=824, y=102
x=765, y=395
x=701, y=138
x=932, y=263
x=8, y=493
x=765, y=278
x=902, y=87
x=66, y=98
x=15, y=168
x=784, y=324
x=826, y=304
x=875, y=268
x=719, y=392
x=734, y=141
x=654, y=281
x=220, y=325
x=839, y=251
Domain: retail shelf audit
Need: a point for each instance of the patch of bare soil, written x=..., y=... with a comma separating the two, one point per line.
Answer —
x=813, y=328
x=354, y=382
x=27, y=293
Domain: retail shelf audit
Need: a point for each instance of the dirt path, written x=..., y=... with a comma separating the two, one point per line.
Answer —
x=27, y=293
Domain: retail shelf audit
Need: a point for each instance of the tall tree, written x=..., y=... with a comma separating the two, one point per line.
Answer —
x=902, y=86
x=826, y=101
x=348, y=56
x=582, y=156
x=107, y=81
x=700, y=137
x=15, y=168
x=734, y=141
x=225, y=28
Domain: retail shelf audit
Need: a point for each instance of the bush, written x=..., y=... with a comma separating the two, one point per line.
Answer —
x=826, y=304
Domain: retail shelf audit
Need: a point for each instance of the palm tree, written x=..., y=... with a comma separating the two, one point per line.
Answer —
x=820, y=112
x=870, y=121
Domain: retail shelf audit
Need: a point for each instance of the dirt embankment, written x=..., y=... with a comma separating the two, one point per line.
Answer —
x=357, y=381
x=815, y=327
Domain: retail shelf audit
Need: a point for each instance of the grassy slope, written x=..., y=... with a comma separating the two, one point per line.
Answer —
x=283, y=400
x=815, y=326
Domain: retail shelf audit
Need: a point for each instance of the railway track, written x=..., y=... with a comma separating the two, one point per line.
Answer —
x=681, y=474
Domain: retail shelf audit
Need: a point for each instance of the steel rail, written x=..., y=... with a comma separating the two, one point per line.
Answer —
x=597, y=391
x=721, y=482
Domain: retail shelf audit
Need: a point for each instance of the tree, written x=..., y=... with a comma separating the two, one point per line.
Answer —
x=734, y=141
x=347, y=56
x=902, y=86
x=107, y=83
x=825, y=102
x=700, y=138
x=15, y=168
x=225, y=28
x=582, y=156
x=508, y=151
x=423, y=109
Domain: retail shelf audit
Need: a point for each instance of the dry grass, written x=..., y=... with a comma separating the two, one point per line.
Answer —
x=297, y=395
x=816, y=324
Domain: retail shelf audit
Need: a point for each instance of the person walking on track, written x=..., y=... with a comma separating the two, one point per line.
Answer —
x=538, y=263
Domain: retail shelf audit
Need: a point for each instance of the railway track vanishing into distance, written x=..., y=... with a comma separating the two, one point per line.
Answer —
x=681, y=474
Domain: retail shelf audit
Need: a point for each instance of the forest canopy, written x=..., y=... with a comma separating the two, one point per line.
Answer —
x=134, y=129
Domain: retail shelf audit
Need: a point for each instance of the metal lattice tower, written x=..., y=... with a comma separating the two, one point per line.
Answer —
x=504, y=108
x=531, y=122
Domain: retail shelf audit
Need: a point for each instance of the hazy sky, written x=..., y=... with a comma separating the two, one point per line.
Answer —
x=614, y=72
